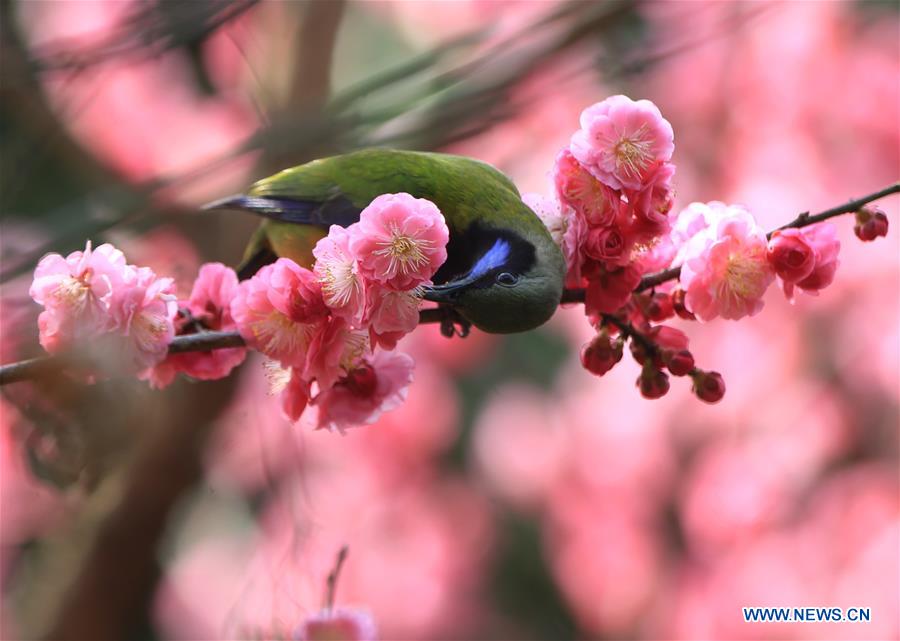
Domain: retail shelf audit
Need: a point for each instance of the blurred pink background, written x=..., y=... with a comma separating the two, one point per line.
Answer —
x=649, y=519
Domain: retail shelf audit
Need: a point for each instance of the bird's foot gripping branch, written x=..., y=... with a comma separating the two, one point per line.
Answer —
x=330, y=332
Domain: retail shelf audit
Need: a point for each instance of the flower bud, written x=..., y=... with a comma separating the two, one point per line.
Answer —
x=870, y=224
x=652, y=382
x=680, y=363
x=709, y=386
x=678, y=305
x=601, y=354
x=660, y=307
x=791, y=255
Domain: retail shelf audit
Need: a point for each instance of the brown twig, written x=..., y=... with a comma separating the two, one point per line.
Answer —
x=652, y=280
x=205, y=341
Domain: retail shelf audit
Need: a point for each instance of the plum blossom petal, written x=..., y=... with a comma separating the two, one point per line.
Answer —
x=76, y=292
x=144, y=308
x=377, y=385
x=277, y=311
x=400, y=241
x=208, y=308
x=595, y=202
x=343, y=287
x=652, y=203
x=621, y=141
x=822, y=239
x=791, y=256
x=725, y=271
x=335, y=348
x=608, y=290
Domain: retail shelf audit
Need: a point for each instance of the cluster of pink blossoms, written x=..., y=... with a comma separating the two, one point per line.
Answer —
x=611, y=214
x=613, y=194
x=94, y=297
x=330, y=330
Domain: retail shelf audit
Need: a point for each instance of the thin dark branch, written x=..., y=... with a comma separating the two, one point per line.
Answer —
x=199, y=342
x=652, y=280
x=205, y=341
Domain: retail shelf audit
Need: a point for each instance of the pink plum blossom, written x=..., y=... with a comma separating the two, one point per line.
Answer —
x=566, y=228
x=595, y=202
x=791, y=256
x=609, y=290
x=692, y=220
x=76, y=292
x=608, y=245
x=652, y=203
x=343, y=287
x=376, y=386
x=725, y=272
x=394, y=314
x=400, y=241
x=347, y=624
x=334, y=349
x=143, y=308
x=622, y=141
x=208, y=308
x=822, y=239
x=295, y=395
x=277, y=311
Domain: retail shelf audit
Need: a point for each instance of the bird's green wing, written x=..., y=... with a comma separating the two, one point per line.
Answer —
x=300, y=203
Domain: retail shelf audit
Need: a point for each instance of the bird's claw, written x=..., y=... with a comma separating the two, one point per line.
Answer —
x=453, y=324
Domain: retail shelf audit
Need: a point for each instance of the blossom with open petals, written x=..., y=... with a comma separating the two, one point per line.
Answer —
x=343, y=287
x=376, y=385
x=608, y=244
x=595, y=202
x=621, y=141
x=143, y=308
x=334, y=349
x=207, y=308
x=400, y=241
x=76, y=292
x=725, y=271
x=394, y=315
x=277, y=311
x=652, y=203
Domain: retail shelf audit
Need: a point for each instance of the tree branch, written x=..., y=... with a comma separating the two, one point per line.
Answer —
x=652, y=280
x=205, y=341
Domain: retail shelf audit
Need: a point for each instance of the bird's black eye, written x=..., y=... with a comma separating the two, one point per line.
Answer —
x=505, y=278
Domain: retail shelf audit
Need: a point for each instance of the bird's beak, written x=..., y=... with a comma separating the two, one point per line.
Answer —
x=447, y=293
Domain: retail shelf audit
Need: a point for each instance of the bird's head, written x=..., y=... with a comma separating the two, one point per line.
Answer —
x=513, y=283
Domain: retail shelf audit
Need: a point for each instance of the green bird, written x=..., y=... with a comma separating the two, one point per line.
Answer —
x=504, y=273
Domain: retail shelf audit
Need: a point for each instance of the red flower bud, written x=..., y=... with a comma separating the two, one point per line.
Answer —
x=791, y=255
x=678, y=304
x=601, y=354
x=652, y=382
x=709, y=386
x=660, y=307
x=870, y=224
x=680, y=363
x=668, y=338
